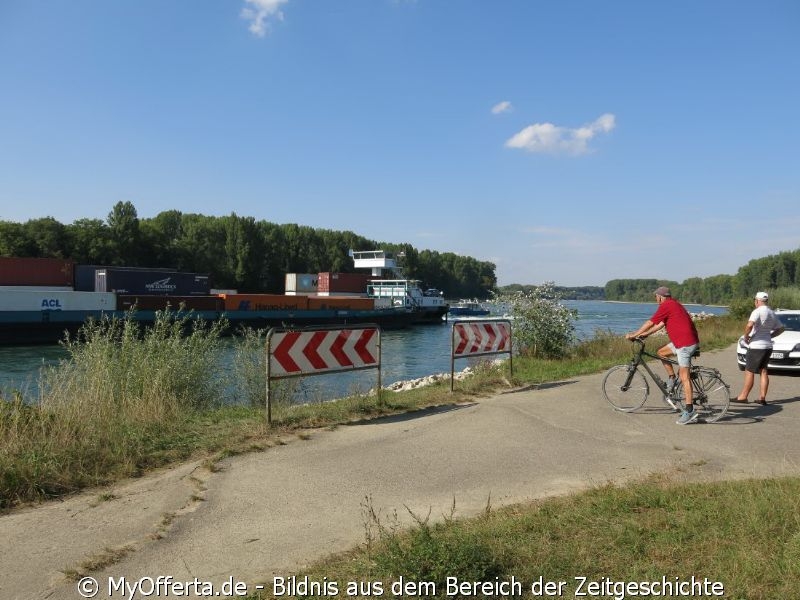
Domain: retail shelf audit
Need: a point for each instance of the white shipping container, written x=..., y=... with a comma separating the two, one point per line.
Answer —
x=301, y=283
x=17, y=300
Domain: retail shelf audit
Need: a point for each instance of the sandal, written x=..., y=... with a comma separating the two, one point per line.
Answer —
x=745, y=401
x=762, y=401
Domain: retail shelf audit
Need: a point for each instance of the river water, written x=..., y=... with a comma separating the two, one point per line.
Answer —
x=405, y=354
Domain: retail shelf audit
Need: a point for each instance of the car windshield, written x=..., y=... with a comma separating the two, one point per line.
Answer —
x=790, y=322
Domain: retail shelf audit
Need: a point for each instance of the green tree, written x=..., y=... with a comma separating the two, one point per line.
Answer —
x=15, y=241
x=160, y=239
x=200, y=248
x=244, y=251
x=90, y=242
x=48, y=236
x=125, y=235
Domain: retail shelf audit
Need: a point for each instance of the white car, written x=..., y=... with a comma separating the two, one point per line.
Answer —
x=785, y=348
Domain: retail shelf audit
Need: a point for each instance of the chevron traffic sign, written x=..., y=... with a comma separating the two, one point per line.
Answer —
x=472, y=338
x=320, y=351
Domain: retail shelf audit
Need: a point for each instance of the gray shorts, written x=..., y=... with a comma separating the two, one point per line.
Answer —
x=684, y=354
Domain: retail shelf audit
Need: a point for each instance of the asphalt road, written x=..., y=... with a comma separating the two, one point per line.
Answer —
x=266, y=514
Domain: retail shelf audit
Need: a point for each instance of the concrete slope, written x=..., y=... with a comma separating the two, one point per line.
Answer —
x=268, y=513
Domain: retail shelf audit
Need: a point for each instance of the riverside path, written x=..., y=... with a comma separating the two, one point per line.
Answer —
x=267, y=514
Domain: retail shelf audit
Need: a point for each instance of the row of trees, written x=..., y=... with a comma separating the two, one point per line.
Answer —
x=238, y=252
x=768, y=273
x=584, y=292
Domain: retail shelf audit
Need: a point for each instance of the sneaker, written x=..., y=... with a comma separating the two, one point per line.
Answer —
x=687, y=417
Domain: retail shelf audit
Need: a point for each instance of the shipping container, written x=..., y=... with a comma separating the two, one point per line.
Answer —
x=56, y=301
x=85, y=274
x=56, y=272
x=142, y=302
x=151, y=282
x=264, y=302
x=354, y=283
x=300, y=284
x=340, y=303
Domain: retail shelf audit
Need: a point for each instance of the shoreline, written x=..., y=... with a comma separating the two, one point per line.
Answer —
x=634, y=302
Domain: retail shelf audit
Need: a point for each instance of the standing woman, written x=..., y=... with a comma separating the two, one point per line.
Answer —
x=761, y=327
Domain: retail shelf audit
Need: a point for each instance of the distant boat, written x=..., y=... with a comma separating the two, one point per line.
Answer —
x=466, y=308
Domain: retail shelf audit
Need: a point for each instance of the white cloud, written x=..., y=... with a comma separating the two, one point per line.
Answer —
x=258, y=12
x=501, y=107
x=547, y=138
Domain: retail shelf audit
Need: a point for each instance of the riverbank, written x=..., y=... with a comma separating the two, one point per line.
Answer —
x=109, y=417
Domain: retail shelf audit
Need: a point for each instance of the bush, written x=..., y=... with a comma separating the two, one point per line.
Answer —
x=541, y=325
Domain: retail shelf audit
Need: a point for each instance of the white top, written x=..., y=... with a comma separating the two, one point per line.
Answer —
x=764, y=321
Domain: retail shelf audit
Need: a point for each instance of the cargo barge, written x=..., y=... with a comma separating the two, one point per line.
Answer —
x=43, y=299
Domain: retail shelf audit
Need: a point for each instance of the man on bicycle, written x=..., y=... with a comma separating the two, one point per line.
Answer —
x=684, y=341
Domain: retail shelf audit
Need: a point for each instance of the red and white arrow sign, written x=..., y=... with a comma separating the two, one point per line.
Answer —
x=309, y=352
x=481, y=337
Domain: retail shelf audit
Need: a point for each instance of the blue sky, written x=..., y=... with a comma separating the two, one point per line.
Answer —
x=566, y=141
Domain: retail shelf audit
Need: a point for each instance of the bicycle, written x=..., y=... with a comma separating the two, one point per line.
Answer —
x=626, y=388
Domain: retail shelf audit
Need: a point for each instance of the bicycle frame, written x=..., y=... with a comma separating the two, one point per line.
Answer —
x=638, y=360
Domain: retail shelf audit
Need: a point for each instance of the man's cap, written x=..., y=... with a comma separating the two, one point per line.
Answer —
x=663, y=291
x=763, y=296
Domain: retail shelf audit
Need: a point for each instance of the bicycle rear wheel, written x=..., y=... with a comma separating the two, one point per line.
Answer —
x=625, y=388
x=712, y=396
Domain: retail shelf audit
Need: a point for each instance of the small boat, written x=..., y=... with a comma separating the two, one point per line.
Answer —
x=468, y=308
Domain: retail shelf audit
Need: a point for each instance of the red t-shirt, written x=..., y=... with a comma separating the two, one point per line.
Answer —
x=680, y=327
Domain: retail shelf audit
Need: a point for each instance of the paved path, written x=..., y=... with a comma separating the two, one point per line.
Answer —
x=267, y=513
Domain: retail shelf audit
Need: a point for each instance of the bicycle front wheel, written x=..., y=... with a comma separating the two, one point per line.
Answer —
x=712, y=396
x=625, y=388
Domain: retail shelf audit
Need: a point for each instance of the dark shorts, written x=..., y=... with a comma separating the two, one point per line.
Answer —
x=757, y=359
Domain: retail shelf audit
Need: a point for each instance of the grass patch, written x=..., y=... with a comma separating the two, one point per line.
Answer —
x=744, y=534
x=105, y=558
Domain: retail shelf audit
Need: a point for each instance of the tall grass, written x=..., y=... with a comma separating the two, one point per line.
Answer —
x=103, y=410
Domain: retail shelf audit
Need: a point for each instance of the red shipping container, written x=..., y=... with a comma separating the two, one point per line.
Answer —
x=36, y=271
x=354, y=283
